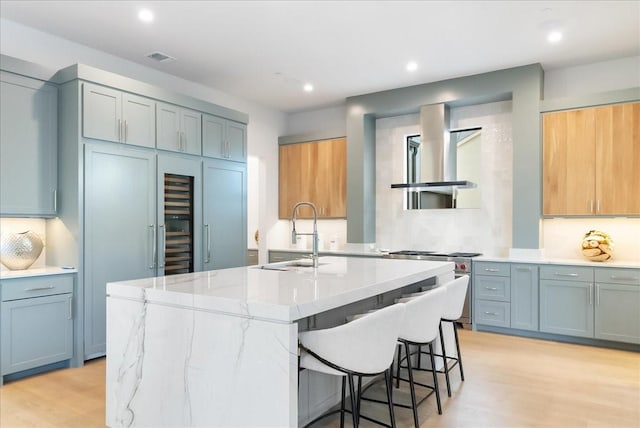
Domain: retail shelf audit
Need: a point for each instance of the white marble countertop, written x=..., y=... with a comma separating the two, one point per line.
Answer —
x=25, y=273
x=576, y=262
x=281, y=295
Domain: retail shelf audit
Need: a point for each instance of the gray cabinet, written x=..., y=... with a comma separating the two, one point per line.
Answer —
x=121, y=117
x=225, y=214
x=120, y=227
x=36, y=322
x=179, y=129
x=617, y=309
x=28, y=146
x=524, y=296
x=222, y=138
x=566, y=300
x=491, y=294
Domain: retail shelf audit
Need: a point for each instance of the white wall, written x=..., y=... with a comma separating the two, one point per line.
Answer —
x=265, y=124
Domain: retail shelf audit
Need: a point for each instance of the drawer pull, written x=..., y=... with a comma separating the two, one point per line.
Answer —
x=523, y=269
x=624, y=278
x=491, y=313
x=491, y=288
x=573, y=275
x=491, y=270
x=50, y=287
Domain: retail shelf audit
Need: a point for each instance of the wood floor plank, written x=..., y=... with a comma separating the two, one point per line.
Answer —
x=511, y=382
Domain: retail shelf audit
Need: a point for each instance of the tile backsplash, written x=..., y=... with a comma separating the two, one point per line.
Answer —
x=562, y=236
x=37, y=225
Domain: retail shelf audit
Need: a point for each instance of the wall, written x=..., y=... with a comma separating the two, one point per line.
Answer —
x=265, y=124
x=487, y=229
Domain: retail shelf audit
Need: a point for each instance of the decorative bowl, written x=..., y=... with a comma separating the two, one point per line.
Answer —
x=19, y=250
x=597, y=246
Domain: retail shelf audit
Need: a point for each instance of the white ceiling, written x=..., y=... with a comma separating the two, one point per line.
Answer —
x=265, y=50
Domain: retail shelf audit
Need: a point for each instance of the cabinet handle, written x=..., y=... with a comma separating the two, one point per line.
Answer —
x=573, y=275
x=152, y=227
x=179, y=135
x=119, y=130
x=70, y=308
x=208, y=244
x=126, y=131
x=162, y=261
x=491, y=270
x=491, y=313
x=598, y=206
x=55, y=200
x=591, y=206
x=597, y=294
x=49, y=287
x=491, y=288
x=590, y=294
x=624, y=278
x=523, y=269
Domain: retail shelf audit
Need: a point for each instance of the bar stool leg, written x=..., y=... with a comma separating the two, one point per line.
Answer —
x=412, y=388
x=398, y=367
x=342, y=407
x=435, y=378
x=388, y=383
x=354, y=406
x=455, y=332
x=444, y=361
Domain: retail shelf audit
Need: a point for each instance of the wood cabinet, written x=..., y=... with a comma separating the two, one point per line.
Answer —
x=224, y=139
x=179, y=129
x=224, y=214
x=112, y=115
x=36, y=322
x=28, y=146
x=316, y=172
x=592, y=161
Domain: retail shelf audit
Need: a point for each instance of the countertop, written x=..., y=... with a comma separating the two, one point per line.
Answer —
x=25, y=273
x=631, y=264
x=260, y=292
x=344, y=252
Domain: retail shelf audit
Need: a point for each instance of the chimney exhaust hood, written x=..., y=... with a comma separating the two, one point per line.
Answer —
x=436, y=162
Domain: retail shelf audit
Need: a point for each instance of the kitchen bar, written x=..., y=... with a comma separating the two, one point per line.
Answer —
x=219, y=348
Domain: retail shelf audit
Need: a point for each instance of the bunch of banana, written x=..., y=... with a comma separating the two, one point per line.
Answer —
x=597, y=246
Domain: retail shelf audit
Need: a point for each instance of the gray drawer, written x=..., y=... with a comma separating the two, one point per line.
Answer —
x=492, y=268
x=492, y=287
x=492, y=313
x=618, y=276
x=566, y=273
x=35, y=286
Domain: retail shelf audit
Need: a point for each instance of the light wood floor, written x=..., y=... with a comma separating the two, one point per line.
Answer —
x=510, y=382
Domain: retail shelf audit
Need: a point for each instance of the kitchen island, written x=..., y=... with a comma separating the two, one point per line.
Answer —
x=220, y=348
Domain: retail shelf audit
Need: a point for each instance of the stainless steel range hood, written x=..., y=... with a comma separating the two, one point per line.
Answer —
x=436, y=163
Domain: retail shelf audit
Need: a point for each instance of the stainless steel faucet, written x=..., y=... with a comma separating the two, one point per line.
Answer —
x=294, y=234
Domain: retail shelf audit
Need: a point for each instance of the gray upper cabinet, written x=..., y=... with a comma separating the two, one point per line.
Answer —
x=179, y=129
x=225, y=214
x=524, y=296
x=112, y=115
x=617, y=310
x=28, y=146
x=224, y=139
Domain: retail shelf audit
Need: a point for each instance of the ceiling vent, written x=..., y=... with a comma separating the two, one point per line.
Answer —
x=160, y=57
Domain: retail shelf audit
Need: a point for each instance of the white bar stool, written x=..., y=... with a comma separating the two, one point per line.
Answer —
x=420, y=328
x=456, y=294
x=362, y=347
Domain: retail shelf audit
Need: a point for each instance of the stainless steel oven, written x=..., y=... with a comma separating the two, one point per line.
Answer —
x=463, y=266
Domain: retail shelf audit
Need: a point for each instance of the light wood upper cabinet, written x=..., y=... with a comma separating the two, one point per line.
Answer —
x=592, y=161
x=316, y=172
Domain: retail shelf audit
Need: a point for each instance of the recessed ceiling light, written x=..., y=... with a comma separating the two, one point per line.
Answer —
x=554, y=36
x=145, y=15
x=412, y=66
x=308, y=87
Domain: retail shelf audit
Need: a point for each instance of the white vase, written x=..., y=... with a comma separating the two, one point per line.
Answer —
x=20, y=250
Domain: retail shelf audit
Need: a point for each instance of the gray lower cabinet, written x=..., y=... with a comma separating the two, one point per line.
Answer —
x=112, y=115
x=28, y=146
x=178, y=129
x=617, y=307
x=492, y=294
x=224, y=214
x=566, y=300
x=36, y=322
x=524, y=296
x=222, y=138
